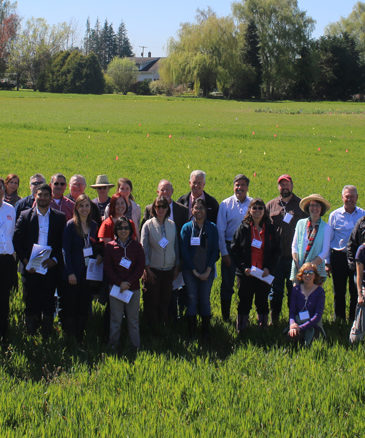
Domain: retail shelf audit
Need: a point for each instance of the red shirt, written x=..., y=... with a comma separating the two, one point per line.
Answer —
x=257, y=254
x=107, y=229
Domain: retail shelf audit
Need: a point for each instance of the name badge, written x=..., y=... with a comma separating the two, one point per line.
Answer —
x=163, y=242
x=195, y=241
x=88, y=252
x=256, y=243
x=125, y=263
x=287, y=218
x=304, y=315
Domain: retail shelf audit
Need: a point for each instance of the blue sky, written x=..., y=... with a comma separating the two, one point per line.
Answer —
x=151, y=23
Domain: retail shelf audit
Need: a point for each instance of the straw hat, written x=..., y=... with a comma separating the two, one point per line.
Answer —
x=101, y=181
x=304, y=203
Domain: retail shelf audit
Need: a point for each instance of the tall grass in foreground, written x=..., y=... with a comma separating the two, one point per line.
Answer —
x=257, y=385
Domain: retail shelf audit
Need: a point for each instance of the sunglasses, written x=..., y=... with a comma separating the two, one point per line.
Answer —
x=59, y=183
x=308, y=272
x=257, y=207
x=161, y=207
x=36, y=183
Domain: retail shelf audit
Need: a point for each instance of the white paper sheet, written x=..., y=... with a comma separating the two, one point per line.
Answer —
x=94, y=271
x=125, y=296
x=257, y=273
x=39, y=254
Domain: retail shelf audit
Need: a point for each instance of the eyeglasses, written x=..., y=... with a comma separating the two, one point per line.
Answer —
x=123, y=229
x=308, y=272
x=59, y=183
x=257, y=207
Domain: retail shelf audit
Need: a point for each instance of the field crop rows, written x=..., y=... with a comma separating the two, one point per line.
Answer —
x=253, y=386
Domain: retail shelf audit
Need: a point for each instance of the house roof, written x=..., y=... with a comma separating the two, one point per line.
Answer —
x=145, y=64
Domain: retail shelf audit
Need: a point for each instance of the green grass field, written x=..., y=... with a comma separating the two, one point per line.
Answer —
x=255, y=386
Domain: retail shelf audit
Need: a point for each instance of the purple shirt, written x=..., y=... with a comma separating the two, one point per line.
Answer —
x=360, y=258
x=314, y=305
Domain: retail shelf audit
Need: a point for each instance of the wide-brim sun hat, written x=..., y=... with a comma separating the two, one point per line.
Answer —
x=101, y=181
x=304, y=203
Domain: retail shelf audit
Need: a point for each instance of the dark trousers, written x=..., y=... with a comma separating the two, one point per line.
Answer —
x=7, y=274
x=282, y=278
x=228, y=276
x=75, y=307
x=340, y=274
x=248, y=288
x=157, y=296
x=39, y=294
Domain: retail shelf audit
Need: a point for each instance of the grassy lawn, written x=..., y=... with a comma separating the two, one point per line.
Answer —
x=252, y=386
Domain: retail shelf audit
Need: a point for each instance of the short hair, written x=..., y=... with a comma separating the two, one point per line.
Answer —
x=44, y=188
x=113, y=202
x=165, y=181
x=248, y=217
x=78, y=176
x=349, y=187
x=37, y=175
x=126, y=181
x=243, y=178
x=312, y=267
x=197, y=174
x=57, y=175
x=118, y=224
x=10, y=177
x=160, y=200
x=199, y=203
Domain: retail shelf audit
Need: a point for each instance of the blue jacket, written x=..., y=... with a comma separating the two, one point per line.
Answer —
x=209, y=233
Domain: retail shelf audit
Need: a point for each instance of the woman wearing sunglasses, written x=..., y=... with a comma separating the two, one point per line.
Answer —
x=306, y=305
x=160, y=244
x=255, y=244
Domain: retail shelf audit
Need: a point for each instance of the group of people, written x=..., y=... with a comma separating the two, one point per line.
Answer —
x=59, y=240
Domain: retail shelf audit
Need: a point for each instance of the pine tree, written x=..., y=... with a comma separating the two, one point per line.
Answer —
x=124, y=47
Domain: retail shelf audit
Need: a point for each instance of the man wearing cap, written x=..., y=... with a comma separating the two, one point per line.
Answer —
x=102, y=186
x=197, y=184
x=342, y=221
x=230, y=214
x=284, y=213
x=60, y=202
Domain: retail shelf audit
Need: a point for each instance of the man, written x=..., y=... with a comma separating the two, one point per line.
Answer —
x=44, y=226
x=230, y=214
x=60, y=202
x=197, y=184
x=342, y=222
x=77, y=187
x=179, y=214
x=102, y=186
x=8, y=272
x=27, y=202
x=284, y=212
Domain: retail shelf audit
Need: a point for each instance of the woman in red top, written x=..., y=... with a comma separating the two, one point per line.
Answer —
x=255, y=244
x=117, y=209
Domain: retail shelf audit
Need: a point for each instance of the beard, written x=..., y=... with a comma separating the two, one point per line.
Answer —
x=285, y=193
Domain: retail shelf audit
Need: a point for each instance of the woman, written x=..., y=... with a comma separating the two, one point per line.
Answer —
x=117, y=209
x=133, y=212
x=79, y=245
x=255, y=244
x=160, y=244
x=306, y=305
x=311, y=242
x=124, y=263
x=199, y=249
x=11, y=189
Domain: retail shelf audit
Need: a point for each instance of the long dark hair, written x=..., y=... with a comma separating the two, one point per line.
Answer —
x=76, y=215
x=248, y=217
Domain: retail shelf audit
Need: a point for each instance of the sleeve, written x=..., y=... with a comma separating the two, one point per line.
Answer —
x=68, y=235
x=317, y=313
x=109, y=269
x=221, y=227
x=360, y=254
x=145, y=235
x=353, y=244
x=238, y=248
x=214, y=253
x=102, y=230
x=185, y=240
x=326, y=243
x=275, y=248
x=293, y=305
x=19, y=238
x=294, y=245
x=138, y=266
x=177, y=248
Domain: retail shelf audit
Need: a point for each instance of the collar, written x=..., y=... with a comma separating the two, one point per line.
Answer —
x=240, y=202
x=43, y=215
x=343, y=211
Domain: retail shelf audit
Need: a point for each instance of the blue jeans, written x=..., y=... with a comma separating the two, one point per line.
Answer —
x=282, y=276
x=228, y=276
x=198, y=292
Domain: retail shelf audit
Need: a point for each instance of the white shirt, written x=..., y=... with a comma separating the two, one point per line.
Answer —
x=7, y=226
x=342, y=224
x=43, y=224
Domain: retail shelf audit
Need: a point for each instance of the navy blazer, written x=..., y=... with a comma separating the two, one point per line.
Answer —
x=212, y=205
x=27, y=231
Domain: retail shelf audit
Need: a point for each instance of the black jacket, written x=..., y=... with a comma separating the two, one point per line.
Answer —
x=356, y=239
x=241, y=248
x=212, y=205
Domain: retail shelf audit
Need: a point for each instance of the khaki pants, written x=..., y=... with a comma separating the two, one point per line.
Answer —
x=131, y=310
